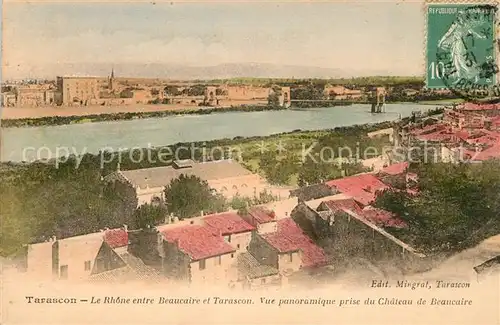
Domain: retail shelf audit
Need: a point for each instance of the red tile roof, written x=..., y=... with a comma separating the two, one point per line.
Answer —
x=485, y=154
x=435, y=136
x=395, y=169
x=228, y=223
x=362, y=187
x=199, y=242
x=382, y=218
x=427, y=129
x=495, y=120
x=479, y=107
x=261, y=215
x=289, y=237
x=116, y=237
x=338, y=205
x=378, y=217
x=462, y=134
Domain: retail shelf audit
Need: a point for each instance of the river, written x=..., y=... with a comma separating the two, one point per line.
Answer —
x=50, y=141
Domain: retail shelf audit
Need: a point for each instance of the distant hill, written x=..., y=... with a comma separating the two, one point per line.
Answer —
x=221, y=71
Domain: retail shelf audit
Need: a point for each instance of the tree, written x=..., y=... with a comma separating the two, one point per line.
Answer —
x=314, y=170
x=172, y=90
x=196, y=90
x=187, y=196
x=150, y=215
x=457, y=206
x=240, y=203
x=278, y=170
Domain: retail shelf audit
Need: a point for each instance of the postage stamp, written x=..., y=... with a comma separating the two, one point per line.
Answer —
x=461, y=50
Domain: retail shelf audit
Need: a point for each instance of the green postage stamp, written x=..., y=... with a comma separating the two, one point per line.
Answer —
x=461, y=48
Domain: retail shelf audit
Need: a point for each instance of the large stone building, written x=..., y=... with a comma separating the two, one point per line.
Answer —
x=79, y=91
x=342, y=93
x=28, y=95
x=227, y=177
x=347, y=229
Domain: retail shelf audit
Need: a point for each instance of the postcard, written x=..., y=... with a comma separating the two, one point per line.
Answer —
x=250, y=162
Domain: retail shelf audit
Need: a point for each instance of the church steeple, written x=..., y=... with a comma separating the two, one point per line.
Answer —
x=111, y=79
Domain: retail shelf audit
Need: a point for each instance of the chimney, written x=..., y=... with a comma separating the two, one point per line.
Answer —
x=201, y=213
x=125, y=227
x=53, y=238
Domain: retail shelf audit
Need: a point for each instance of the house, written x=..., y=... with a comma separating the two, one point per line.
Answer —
x=362, y=187
x=197, y=254
x=262, y=219
x=226, y=176
x=249, y=250
x=252, y=274
x=311, y=192
x=200, y=250
x=288, y=249
x=396, y=175
x=362, y=232
x=117, y=238
x=282, y=208
x=235, y=231
x=73, y=258
x=346, y=228
x=479, y=155
x=96, y=257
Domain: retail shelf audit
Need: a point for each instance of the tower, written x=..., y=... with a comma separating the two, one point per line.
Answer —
x=378, y=103
x=111, y=80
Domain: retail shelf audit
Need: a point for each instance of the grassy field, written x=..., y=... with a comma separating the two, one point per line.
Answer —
x=291, y=144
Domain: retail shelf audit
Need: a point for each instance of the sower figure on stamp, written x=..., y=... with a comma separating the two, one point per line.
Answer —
x=455, y=42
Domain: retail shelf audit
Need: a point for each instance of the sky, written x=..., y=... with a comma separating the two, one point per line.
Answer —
x=352, y=36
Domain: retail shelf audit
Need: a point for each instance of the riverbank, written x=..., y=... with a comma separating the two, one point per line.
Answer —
x=64, y=116
x=51, y=116
x=444, y=102
x=26, y=143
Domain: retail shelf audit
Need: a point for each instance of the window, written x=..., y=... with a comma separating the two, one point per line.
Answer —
x=219, y=260
x=229, y=238
x=238, y=246
x=87, y=265
x=64, y=271
x=291, y=257
x=202, y=264
x=232, y=255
